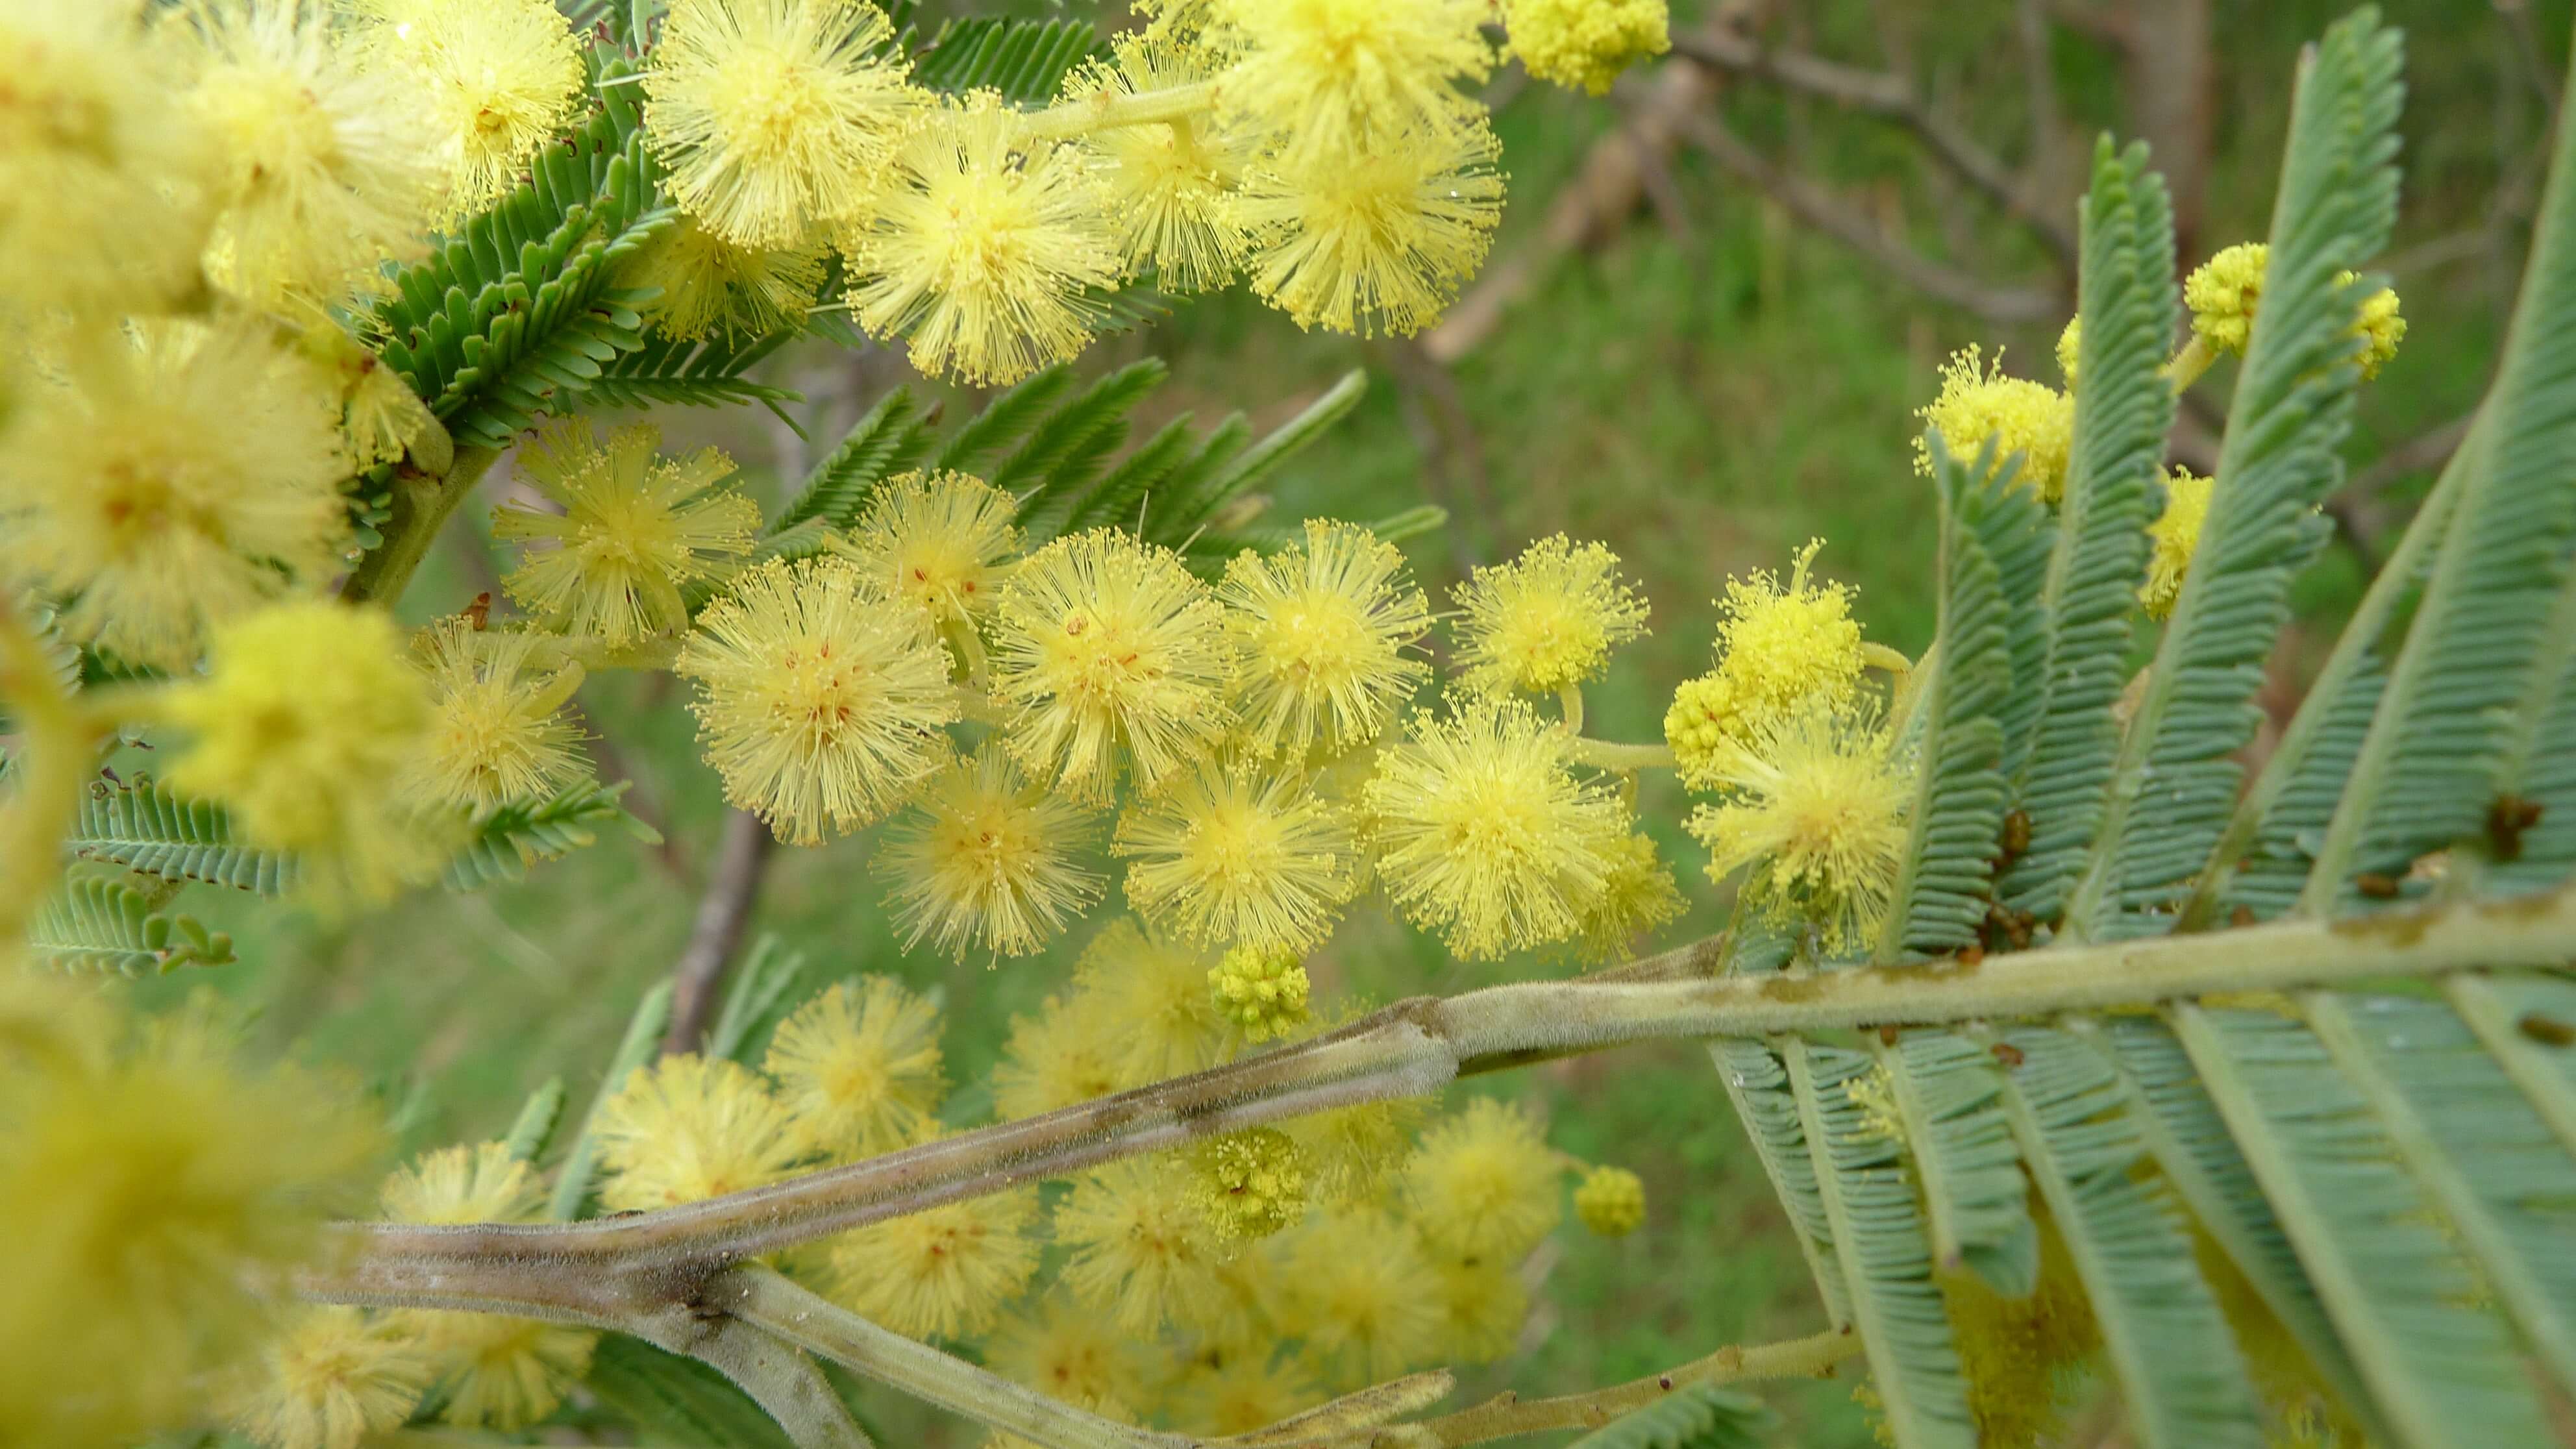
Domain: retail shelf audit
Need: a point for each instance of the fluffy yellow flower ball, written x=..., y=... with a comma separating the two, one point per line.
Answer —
x=1978, y=404
x=2176, y=537
x=1611, y=1201
x=1586, y=43
x=1779, y=647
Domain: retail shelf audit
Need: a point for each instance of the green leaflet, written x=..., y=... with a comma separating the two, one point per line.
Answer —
x=1886, y=1254
x=1944, y=882
x=100, y=923
x=641, y=1044
x=2122, y=413
x=1701, y=1416
x=2178, y=1366
x=2525, y=1023
x=508, y=840
x=147, y=827
x=1758, y=1085
x=2176, y=782
x=1066, y=452
x=711, y=372
x=534, y=1128
x=763, y=988
x=2439, y=1362
x=1026, y=60
x=678, y=1400
x=1949, y=1093
x=892, y=438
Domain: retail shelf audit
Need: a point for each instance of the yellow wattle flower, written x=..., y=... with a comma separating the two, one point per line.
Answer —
x=820, y=706
x=497, y=729
x=481, y=1183
x=1325, y=630
x=1155, y=991
x=1166, y=186
x=1816, y=806
x=500, y=78
x=1637, y=895
x=1263, y=992
x=1780, y=647
x=710, y=286
x=1357, y=1288
x=942, y=1272
x=859, y=1067
x=1243, y=1393
x=636, y=529
x=1230, y=857
x=689, y=1128
x=987, y=860
x=1611, y=1201
x=1482, y=1306
x=942, y=541
x=1250, y=1184
x=330, y=1379
x=1483, y=1184
x=2223, y=294
x=1547, y=620
x=1378, y=242
x=775, y=117
x=1065, y=1054
x=1978, y=404
x=1141, y=1253
x=2174, y=537
x=984, y=251
x=1068, y=1353
x=1585, y=43
x=2070, y=349
x=1332, y=80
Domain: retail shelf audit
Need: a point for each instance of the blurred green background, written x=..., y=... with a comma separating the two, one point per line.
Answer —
x=1704, y=383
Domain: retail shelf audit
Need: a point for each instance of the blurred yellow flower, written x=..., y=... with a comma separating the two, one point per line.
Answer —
x=636, y=529
x=859, y=1067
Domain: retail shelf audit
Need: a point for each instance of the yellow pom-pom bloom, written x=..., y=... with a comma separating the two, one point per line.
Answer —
x=1611, y=1201
x=1482, y=1307
x=1780, y=648
x=1323, y=631
x=150, y=1194
x=171, y=487
x=2380, y=328
x=1484, y=834
x=984, y=249
x=1067, y=1053
x=1586, y=43
x=2070, y=349
x=987, y=860
x=500, y=78
x=859, y=1067
x=1067, y=1353
x=1110, y=649
x=775, y=117
x=1357, y=1288
x=302, y=725
x=100, y=206
x=1250, y=1184
x=946, y=1271
x=329, y=1380
x=1547, y=620
x=497, y=730
x=2174, y=537
x=820, y=706
x=1233, y=858
x=1262, y=992
x=1166, y=186
x=709, y=286
x=2223, y=294
x=635, y=529
x=1637, y=895
x=1817, y=809
x=1140, y=1251
x=1336, y=79
x=1484, y=1183
x=1244, y=1393
x=689, y=1128
x=1155, y=992
x=477, y=1184
x=1978, y=404
x=1375, y=243
x=325, y=167
x=941, y=541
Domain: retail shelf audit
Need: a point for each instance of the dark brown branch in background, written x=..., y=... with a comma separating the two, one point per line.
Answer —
x=724, y=914
x=1818, y=208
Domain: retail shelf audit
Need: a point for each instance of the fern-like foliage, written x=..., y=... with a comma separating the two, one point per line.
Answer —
x=711, y=372
x=104, y=923
x=506, y=841
x=152, y=830
x=1025, y=60
x=1698, y=1417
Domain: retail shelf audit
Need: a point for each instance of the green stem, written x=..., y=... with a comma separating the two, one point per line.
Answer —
x=2188, y=364
x=1815, y=1356
x=422, y=503
x=1569, y=702
x=1612, y=755
x=1107, y=109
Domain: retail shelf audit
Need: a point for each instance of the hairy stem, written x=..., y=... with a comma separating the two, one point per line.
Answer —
x=1815, y=1356
x=2188, y=364
x=1613, y=755
x=422, y=503
x=776, y=1374
x=49, y=772
x=1106, y=109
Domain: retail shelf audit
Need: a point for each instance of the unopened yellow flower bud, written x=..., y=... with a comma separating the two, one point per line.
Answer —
x=2070, y=343
x=1979, y=403
x=2176, y=536
x=2223, y=294
x=2380, y=327
x=1263, y=992
x=1611, y=1201
x=1251, y=1184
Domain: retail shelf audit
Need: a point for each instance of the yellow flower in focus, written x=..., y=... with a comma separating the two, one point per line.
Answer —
x=943, y=1272
x=689, y=1128
x=1637, y=895
x=709, y=286
x=1244, y=1393
x=1232, y=858
x=497, y=729
x=324, y=167
x=859, y=1067
x=1250, y=1184
x=1817, y=808
x=1780, y=647
x=478, y=1184
x=1547, y=620
x=1335, y=80
x=634, y=530
x=2223, y=294
x=2070, y=348
x=1110, y=648
x=988, y=859
x=2175, y=537
x=1357, y=1288
x=500, y=77
x=1322, y=629
x=820, y=706
x=170, y=487
x=774, y=117
x=1065, y=1054
x=1263, y=992
x=1483, y=1183
x=1141, y=1252
x=305, y=720
x=1166, y=186
x=984, y=250
x=1611, y=1201
x=1375, y=243
x=151, y=1191
x=941, y=541
x=1978, y=404
x=1482, y=1306
x=1155, y=991
x=1585, y=42
x=1066, y=1353
x=1484, y=834
x=329, y=1380
x=2379, y=327
x=101, y=210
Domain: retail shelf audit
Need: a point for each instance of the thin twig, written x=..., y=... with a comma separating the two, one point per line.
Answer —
x=724, y=914
x=1814, y=1356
